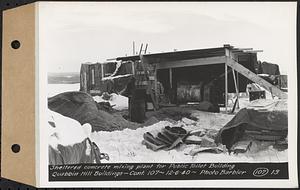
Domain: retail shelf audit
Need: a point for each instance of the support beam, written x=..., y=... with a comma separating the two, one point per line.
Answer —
x=145, y=51
x=255, y=78
x=155, y=85
x=253, y=51
x=238, y=85
x=226, y=88
x=133, y=48
x=171, y=78
x=102, y=71
x=236, y=88
x=141, y=48
x=238, y=81
x=241, y=49
x=133, y=67
x=192, y=62
x=227, y=54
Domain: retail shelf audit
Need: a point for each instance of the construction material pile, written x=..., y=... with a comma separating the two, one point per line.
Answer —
x=262, y=124
x=171, y=137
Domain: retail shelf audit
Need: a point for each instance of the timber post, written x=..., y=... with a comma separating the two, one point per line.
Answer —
x=227, y=54
x=171, y=78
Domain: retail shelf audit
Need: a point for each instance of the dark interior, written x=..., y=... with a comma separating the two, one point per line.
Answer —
x=199, y=75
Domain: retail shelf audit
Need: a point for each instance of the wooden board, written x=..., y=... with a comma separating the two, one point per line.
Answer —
x=192, y=62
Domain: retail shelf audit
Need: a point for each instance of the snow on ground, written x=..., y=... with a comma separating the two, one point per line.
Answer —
x=120, y=102
x=54, y=89
x=126, y=145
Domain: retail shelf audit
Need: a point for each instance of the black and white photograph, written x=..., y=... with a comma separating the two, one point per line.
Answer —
x=198, y=86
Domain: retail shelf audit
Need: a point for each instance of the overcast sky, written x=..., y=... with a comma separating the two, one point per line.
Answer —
x=75, y=33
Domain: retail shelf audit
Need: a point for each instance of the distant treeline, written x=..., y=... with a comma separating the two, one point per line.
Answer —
x=63, y=78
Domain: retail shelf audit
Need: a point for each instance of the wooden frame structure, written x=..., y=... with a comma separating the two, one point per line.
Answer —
x=239, y=60
x=227, y=55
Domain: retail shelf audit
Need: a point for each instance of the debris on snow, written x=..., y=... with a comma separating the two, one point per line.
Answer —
x=126, y=145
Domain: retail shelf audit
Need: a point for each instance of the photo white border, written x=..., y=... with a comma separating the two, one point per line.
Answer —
x=42, y=146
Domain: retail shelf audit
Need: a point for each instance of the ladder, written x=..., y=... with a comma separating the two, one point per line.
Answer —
x=141, y=49
x=255, y=78
x=145, y=72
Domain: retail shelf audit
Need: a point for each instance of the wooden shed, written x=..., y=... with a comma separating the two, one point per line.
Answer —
x=188, y=76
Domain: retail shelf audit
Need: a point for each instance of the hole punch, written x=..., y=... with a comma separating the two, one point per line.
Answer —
x=15, y=148
x=15, y=44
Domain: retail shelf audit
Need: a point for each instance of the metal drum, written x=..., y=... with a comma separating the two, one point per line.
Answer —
x=189, y=92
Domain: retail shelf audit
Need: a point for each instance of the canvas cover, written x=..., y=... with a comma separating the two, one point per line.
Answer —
x=265, y=120
x=79, y=153
x=82, y=107
x=268, y=68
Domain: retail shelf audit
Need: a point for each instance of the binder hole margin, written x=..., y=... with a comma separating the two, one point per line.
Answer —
x=15, y=148
x=15, y=44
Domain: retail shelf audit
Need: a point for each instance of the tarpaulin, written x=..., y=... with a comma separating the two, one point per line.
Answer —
x=84, y=152
x=266, y=123
x=81, y=106
x=269, y=68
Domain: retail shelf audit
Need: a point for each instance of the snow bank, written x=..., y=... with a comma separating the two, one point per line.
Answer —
x=66, y=131
x=120, y=102
x=54, y=89
x=126, y=145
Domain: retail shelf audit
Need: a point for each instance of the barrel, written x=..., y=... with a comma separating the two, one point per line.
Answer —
x=189, y=92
